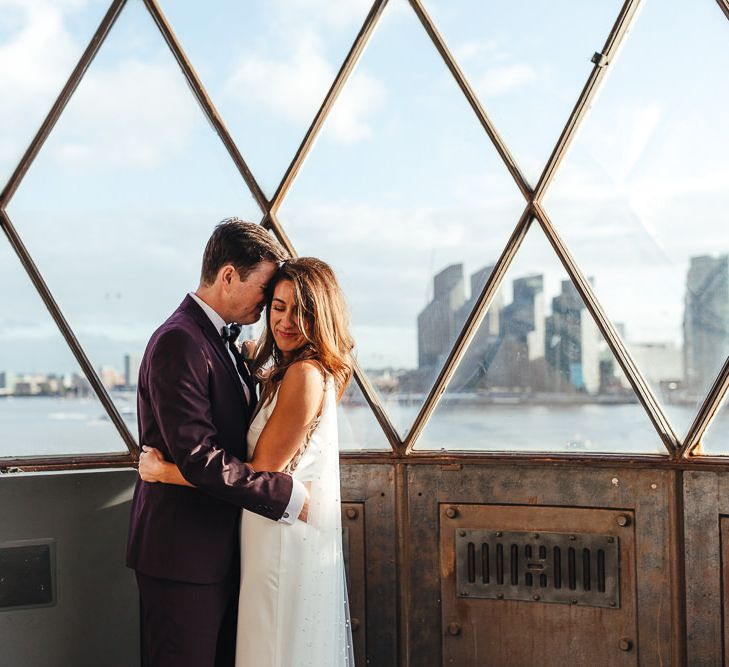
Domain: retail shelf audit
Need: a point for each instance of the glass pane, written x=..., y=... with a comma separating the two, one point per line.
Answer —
x=40, y=44
x=118, y=206
x=525, y=57
x=420, y=190
x=47, y=406
x=358, y=428
x=538, y=375
x=268, y=66
x=716, y=439
x=642, y=199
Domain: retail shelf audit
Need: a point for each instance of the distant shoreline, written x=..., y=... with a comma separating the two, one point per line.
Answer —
x=417, y=399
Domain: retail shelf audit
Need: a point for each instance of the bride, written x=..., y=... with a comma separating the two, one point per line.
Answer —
x=293, y=604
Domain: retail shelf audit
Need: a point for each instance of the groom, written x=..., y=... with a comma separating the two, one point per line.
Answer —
x=194, y=403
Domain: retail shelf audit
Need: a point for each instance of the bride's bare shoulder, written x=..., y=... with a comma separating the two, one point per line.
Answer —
x=306, y=372
x=302, y=389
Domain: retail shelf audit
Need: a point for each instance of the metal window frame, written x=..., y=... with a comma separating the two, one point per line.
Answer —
x=32, y=463
x=724, y=6
x=679, y=452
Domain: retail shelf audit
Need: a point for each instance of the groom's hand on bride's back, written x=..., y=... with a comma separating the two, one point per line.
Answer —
x=154, y=468
x=304, y=514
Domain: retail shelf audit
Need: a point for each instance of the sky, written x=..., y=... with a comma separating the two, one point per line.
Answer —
x=402, y=180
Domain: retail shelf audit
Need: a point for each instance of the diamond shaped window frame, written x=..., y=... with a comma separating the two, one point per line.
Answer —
x=676, y=449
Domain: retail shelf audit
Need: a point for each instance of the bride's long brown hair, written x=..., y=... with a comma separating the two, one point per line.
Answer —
x=322, y=319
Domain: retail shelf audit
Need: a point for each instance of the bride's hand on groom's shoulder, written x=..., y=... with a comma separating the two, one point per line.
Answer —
x=151, y=464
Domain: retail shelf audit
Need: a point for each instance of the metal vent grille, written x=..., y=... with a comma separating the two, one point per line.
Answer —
x=567, y=568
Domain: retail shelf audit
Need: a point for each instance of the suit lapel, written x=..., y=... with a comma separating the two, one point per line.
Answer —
x=217, y=343
x=246, y=375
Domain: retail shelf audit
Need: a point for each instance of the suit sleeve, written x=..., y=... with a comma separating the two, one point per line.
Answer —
x=179, y=396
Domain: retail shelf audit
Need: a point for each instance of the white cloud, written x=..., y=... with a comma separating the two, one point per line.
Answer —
x=289, y=87
x=505, y=79
x=478, y=51
x=363, y=96
x=317, y=14
x=138, y=113
x=385, y=229
x=294, y=87
x=34, y=64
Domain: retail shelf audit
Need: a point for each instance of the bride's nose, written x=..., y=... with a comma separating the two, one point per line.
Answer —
x=287, y=320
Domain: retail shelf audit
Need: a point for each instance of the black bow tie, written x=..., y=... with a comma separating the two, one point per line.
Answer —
x=230, y=332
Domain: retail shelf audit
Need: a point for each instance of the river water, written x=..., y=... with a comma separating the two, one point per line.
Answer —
x=37, y=426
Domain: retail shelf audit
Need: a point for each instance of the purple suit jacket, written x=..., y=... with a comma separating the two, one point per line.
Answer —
x=191, y=406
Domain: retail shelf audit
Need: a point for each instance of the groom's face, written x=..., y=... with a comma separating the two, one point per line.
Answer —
x=247, y=297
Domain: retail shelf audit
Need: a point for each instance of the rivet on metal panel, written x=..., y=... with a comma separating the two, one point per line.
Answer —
x=454, y=629
x=499, y=596
x=536, y=536
x=352, y=513
x=499, y=534
x=625, y=644
x=572, y=537
x=536, y=597
x=613, y=603
x=573, y=600
x=462, y=533
x=654, y=486
x=451, y=512
x=464, y=594
x=623, y=521
x=615, y=481
x=611, y=539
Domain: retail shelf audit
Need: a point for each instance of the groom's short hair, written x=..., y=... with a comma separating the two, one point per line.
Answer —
x=242, y=244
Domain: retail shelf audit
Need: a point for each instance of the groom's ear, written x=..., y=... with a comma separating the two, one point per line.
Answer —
x=226, y=274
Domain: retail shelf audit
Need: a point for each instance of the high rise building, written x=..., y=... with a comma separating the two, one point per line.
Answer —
x=110, y=377
x=485, y=343
x=7, y=382
x=572, y=343
x=131, y=370
x=438, y=322
x=523, y=318
x=705, y=321
x=490, y=324
x=442, y=319
x=659, y=362
x=517, y=360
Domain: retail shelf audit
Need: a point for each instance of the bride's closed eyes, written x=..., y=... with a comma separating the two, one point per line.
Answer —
x=284, y=319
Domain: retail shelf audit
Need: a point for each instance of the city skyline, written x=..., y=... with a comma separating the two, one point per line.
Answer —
x=519, y=343
x=402, y=172
x=566, y=338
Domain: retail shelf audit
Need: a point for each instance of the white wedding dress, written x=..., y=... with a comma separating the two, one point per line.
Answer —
x=293, y=601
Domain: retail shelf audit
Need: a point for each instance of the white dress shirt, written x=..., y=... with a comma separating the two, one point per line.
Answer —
x=298, y=492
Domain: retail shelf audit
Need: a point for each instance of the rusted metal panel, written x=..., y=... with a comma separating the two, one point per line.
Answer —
x=645, y=493
x=424, y=634
x=706, y=537
x=724, y=533
x=482, y=632
x=353, y=538
x=703, y=588
x=372, y=487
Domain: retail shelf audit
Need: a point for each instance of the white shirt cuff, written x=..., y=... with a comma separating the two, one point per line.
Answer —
x=296, y=503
